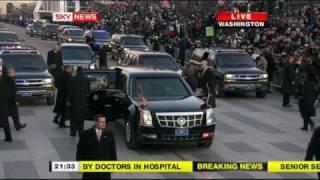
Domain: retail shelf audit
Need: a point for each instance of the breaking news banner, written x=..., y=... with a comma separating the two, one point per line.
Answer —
x=183, y=166
x=241, y=19
x=229, y=166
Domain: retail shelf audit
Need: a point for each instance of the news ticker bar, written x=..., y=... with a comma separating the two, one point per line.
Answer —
x=183, y=166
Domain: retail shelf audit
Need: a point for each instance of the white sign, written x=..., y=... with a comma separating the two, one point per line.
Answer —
x=62, y=17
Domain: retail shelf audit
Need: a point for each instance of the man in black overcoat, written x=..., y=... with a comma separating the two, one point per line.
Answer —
x=77, y=99
x=313, y=150
x=97, y=144
x=208, y=83
x=5, y=95
x=288, y=82
x=103, y=57
x=54, y=62
x=63, y=85
x=306, y=102
x=8, y=79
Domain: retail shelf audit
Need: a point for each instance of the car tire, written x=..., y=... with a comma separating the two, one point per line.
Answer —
x=219, y=90
x=130, y=136
x=261, y=94
x=206, y=144
x=31, y=35
x=50, y=100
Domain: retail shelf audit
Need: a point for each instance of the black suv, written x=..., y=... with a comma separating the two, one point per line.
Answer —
x=9, y=38
x=102, y=38
x=77, y=54
x=32, y=77
x=73, y=35
x=49, y=31
x=149, y=59
x=36, y=29
x=123, y=42
x=235, y=71
x=171, y=112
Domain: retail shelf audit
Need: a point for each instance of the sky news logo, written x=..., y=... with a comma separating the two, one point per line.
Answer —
x=75, y=17
x=241, y=19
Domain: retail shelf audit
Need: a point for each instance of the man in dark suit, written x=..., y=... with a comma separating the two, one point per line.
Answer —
x=54, y=61
x=288, y=82
x=77, y=100
x=8, y=79
x=97, y=144
x=103, y=57
x=313, y=150
x=208, y=83
x=5, y=95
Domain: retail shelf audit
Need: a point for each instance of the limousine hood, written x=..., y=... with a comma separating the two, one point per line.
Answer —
x=189, y=104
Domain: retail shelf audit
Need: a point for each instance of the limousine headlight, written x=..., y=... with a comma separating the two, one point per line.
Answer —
x=92, y=66
x=211, y=119
x=145, y=118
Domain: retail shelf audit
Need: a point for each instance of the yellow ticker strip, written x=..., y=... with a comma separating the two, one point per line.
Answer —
x=136, y=166
x=294, y=166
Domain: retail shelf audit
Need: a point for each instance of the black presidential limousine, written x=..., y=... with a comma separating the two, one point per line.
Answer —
x=157, y=106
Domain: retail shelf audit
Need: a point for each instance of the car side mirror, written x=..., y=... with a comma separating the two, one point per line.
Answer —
x=120, y=94
x=198, y=93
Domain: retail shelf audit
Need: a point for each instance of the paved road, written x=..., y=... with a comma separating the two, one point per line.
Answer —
x=248, y=129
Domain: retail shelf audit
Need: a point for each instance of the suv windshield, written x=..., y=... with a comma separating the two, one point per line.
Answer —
x=234, y=59
x=75, y=32
x=52, y=28
x=8, y=37
x=101, y=35
x=132, y=41
x=162, y=88
x=165, y=62
x=37, y=26
x=76, y=53
x=24, y=62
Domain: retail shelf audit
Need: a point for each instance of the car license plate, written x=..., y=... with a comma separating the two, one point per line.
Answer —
x=182, y=132
x=26, y=94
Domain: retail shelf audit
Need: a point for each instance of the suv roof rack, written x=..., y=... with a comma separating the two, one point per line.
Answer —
x=18, y=49
x=227, y=50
